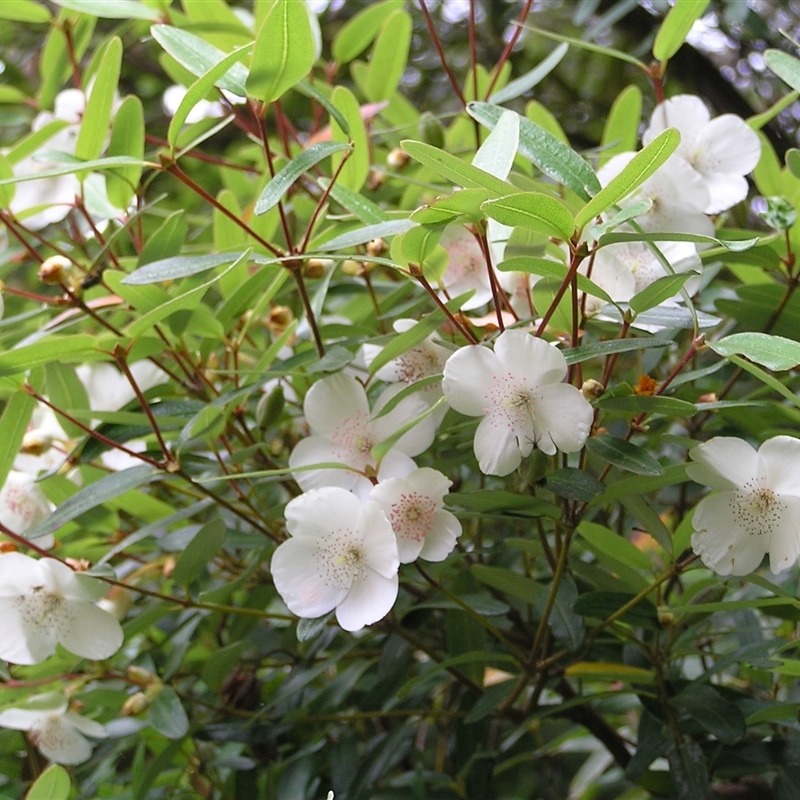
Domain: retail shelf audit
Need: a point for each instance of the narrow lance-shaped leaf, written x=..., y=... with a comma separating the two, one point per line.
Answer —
x=527, y=81
x=76, y=165
x=299, y=165
x=13, y=424
x=94, y=125
x=659, y=291
x=635, y=173
x=353, y=175
x=534, y=211
x=773, y=352
x=622, y=126
x=356, y=34
x=284, y=52
x=111, y=9
x=785, y=66
x=624, y=455
x=675, y=27
x=127, y=139
x=553, y=157
x=389, y=56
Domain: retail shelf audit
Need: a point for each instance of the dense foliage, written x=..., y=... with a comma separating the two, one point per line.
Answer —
x=366, y=439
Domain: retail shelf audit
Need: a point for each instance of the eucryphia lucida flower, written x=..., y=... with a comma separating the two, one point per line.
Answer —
x=44, y=603
x=344, y=431
x=518, y=389
x=23, y=505
x=342, y=555
x=755, y=509
x=414, y=507
x=720, y=150
x=58, y=734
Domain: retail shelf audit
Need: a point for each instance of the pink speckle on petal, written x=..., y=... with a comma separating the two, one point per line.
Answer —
x=413, y=515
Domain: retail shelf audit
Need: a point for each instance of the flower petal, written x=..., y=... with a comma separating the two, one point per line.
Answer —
x=313, y=515
x=723, y=463
x=784, y=549
x=24, y=641
x=728, y=144
x=724, y=191
x=370, y=599
x=497, y=448
x=316, y=450
x=379, y=542
x=90, y=632
x=18, y=573
x=720, y=538
x=687, y=113
x=441, y=540
x=530, y=359
x=72, y=585
x=57, y=740
x=780, y=458
x=562, y=418
x=90, y=727
x=419, y=438
x=467, y=373
x=333, y=400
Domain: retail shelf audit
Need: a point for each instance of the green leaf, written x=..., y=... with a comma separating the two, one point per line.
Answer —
x=618, y=547
x=356, y=34
x=380, y=230
x=553, y=157
x=166, y=241
x=566, y=625
x=772, y=352
x=621, y=132
x=687, y=767
x=355, y=171
x=13, y=425
x=454, y=169
x=73, y=349
x=185, y=301
x=533, y=211
x=389, y=56
x=201, y=549
x=644, y=404
x=574, y=484
x=405, y=341
x=73, y=165
x=25, y=11
x=111, y=9
x=649, y=521
x=734, y=245
x=659, y=291
x=284, y=52
x=94, y=124
x=676, y=26
x=170, y=269
x=95, y=495
x=461, y=206
x=602, y=605
x=65, y=391
x=198, y=56
x=488, y=501
x=641, y=484
x=364, y=210
x=591, y=47
x=574, y=355
x=635, y=172
x=299, y=165
x=508, y=582
x=52, y=784
x=199, y=89
x=721, y=718
x=6, y=172
x=418, y=244
x=127, y=139
x=531, y=78
x=623, y=454
x=549, y=268
x=167, y=714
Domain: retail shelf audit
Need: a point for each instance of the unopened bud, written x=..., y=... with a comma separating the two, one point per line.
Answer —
x=316, y=267
x=279, y=319
x=140, y=675
x=351, y=267
x=34, y=443
x=592, y=389
x=397, y=158
x=376, y=247
x=55, y=270
x=169, y=566
x=376, y=179
x=8, y=547
x=78, y=564
x=711, y=397
x=136, y=704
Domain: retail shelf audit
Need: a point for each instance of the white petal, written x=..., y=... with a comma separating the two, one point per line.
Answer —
x=303, y=580
x=467, y=373
x=721, y=540
x=379, y=543
x=24, y=641
x=371, y=598
x=19, y=574
x=21, y=719
x=90, y=727
x=780, y=458
x=313, y=515
x=724, y=191
x=686, y=112
x=23, y=504
x=332, y=401
x=60, y=742
x=784, y=549
x=91, y=632
x=419, y=438
x=562, y=418
x=69, y=584
x=723, y=463
x=530, y=359
x=441, y=541
x=466, y=267
x=728, y=144
x=430, y=482
x=498, y=448
x=316, y=450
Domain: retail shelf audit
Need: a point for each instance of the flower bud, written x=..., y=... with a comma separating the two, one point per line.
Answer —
x=376, y=247
x=55, y=270
x=136, y=704
x=140, y=675
x=351, y=267
x=592, y=389
x=279, y=319
x=78, y=564
x=316, y=267
x=34, y=443
x=376, y=179
x=397, y=158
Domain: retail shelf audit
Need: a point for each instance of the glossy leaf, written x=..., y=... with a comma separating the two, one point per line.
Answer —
x=772, y=352
x=548, y=268
x=25, y=11
x=167, y=715
x=52, y=784
x=388, y=57
x=111, y=9
x=553, y=157
x=127, y=139
x=202, y=548
x=65, y=391
x=71, y=349
x=618, y=547
x=534, y=211
x=363, y=235
x=602, y=605
x=94, y=124
x=170, y=269
x=73, y=165
x=299, y=165
x=635, y=172
x=355, y=171
x=623, y=454
x=284, y=52
x=660, y=290
x=356, y=34
x=644, y=404
x=526, y=82
x=575, y=355
x=464, y=205
x=574, y=483
x=13, y=425
x=621, y=132
x=676, y=26
x=721, y=718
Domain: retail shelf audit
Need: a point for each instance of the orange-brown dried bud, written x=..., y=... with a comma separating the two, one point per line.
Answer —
x=279, y=319
x=645, y=386
x=78, y=564
x=8, y=547
x=55, y=270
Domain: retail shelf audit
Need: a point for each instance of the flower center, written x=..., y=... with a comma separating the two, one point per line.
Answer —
x=412, y=516
x=759, y=509
x=353, y=441
x=342, y=559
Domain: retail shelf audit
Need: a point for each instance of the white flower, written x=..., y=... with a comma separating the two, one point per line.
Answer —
x=720, y=150
x=519, y=391
x=23, y=505
x=678, y=195
x=755, y=509
x=44, y=603
x=466, y=267
x=342, y=555
x=57, y=733
x=414, y=507
x=344, y=431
